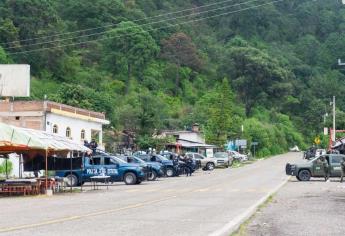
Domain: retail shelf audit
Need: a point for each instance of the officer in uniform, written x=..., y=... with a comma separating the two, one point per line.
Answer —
x=342, y=165
x=325, y=167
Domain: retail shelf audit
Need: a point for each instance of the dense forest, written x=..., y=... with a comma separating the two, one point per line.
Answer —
x=151, y=65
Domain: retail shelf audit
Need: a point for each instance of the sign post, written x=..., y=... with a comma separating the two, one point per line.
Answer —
x=254, y=144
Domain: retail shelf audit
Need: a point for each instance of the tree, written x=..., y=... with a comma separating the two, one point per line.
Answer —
x=219, y=106
x=258, y=77
x=131, y=48
x=4, y=59
x=181, y=51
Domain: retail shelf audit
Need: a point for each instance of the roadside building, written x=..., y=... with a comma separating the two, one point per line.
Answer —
x=189, y=141
x=75, y=123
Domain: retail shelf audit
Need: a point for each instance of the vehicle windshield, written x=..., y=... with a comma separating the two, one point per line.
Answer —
x=162, y=158
x=118, y=159
x=314, y=159
x=221, y=155
x=137, y=159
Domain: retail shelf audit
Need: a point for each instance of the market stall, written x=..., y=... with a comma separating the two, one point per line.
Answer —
x=34, y=143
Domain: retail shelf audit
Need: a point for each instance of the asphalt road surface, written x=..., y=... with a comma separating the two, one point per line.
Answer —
x=199, y=205
x=303, y=208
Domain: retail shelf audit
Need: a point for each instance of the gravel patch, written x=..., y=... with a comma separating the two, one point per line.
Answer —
x=303, y=208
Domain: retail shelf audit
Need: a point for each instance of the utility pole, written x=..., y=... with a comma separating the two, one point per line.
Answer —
x=334, y=131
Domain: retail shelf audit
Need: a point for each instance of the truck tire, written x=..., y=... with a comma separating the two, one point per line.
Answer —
x=152, y=176
x=170, y=172
x=210, y=166
x=72, y=180
x=130, y=178
x=304, y=175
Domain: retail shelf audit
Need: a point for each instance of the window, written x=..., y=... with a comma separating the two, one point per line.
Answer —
x=95, y=161
x=68, y=132
x=82, y=134
x=337, y=159
x=109, y=161
x=17, y=117
x=55, y=129
x=198, y=156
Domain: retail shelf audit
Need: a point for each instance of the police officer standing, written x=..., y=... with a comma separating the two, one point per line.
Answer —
x=342, y=165
x=93, y=145
x=325, y=167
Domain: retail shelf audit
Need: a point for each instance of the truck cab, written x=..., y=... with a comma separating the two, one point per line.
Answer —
x=117, y=169
x=314, y=167
x=155, y=169
x=169, y=169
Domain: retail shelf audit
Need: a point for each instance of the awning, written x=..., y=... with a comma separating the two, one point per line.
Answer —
x=15, y=139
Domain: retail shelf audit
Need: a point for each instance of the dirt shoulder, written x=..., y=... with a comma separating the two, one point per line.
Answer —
x=301, y=208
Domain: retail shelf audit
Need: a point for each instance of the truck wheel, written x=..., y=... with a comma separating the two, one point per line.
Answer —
x=130, y=178
x=298, y=178
x=72, y=180
x=304, y=175
x=210, y=166
x=152, y=176
x=170, y=172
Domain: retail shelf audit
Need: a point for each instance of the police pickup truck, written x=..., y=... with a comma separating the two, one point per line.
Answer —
x=155, y=169
x=117, y=169
x=170, y=169
x=314, y=167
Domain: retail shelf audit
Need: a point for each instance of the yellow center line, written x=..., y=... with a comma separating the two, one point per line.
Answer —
x=78, y=217
x=182, y=191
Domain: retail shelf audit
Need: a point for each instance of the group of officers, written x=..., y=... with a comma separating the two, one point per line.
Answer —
x=326, y=168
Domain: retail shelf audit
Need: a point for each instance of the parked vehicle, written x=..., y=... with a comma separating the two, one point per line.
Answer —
x=220, y=155
x=314, y=167
x=155, y=169
x=207, y=163
x=238, y=156
x=117, y=169
x=170, y=169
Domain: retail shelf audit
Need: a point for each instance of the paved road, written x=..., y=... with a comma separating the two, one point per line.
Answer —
x=303, y=208
x=197, y=205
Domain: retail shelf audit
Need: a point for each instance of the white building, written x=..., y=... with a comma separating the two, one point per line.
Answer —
x=75, y=123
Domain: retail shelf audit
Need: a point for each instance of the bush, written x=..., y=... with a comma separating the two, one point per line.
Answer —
x=3, y=166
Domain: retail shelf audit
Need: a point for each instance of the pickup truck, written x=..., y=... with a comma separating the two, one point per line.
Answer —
x=314, y=167
x=170, y=169
x=155, y=169
x=117, y=169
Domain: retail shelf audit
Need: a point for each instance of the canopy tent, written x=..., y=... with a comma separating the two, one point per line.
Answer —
x=15, y=139
x=19, y=140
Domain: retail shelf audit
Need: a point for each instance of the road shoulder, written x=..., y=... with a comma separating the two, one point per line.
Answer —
x=301, y=208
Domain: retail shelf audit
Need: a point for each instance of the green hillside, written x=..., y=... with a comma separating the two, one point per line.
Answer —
x=153, y=64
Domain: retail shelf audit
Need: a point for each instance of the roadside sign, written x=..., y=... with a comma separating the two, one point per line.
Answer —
x=209, y=152
x=255, y=143
x=317, y=140
x=325, y=131
x=241, y=142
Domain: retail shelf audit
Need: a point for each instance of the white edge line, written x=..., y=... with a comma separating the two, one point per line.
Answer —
x=234, y=224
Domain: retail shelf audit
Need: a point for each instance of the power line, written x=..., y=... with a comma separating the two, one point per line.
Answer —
x=112, y=25
x=146, y=24
x=181, y=23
